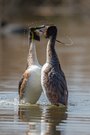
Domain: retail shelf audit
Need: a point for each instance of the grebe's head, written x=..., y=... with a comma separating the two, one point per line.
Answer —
x=35, y=32
x=50, y=31
x=33, y=35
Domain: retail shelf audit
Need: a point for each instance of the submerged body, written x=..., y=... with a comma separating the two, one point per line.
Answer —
x=52, y=77
x=30, y=84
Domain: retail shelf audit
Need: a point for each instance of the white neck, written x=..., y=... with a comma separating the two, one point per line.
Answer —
x=32, y=56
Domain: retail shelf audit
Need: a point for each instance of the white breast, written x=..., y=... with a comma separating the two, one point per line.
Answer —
x=33, y=87
x=42, y=80
x=42, y=72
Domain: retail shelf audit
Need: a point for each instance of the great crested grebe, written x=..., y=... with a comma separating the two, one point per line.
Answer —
x=30, y=84
x=52, y=77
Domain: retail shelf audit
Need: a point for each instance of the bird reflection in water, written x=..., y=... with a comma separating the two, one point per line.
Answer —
x=42, y=120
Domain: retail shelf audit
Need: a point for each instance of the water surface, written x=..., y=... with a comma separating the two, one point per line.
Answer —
x=44, y=119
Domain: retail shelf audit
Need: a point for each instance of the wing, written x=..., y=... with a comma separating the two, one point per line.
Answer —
x=62, y=90
x=22, y=83
x=57, y=88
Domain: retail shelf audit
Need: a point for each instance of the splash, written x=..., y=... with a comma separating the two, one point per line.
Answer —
x=8, y=100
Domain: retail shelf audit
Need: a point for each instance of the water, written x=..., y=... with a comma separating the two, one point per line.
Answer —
x=44, y=119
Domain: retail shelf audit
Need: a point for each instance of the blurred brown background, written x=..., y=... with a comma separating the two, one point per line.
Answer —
x=13, y=10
